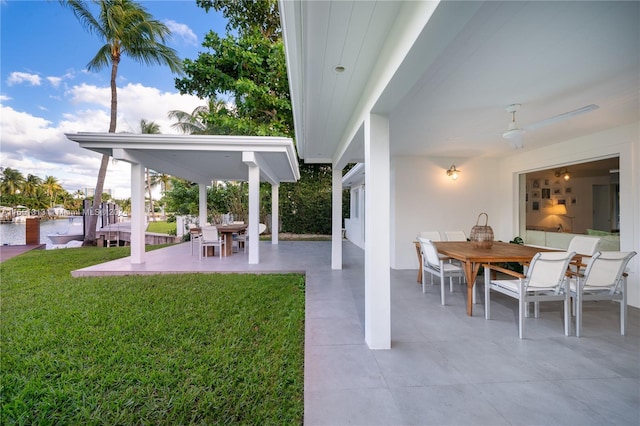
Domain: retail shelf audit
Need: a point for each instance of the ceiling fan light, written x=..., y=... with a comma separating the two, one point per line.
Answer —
x=515, y=137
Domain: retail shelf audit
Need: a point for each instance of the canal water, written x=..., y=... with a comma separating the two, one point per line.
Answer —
x=15, y=233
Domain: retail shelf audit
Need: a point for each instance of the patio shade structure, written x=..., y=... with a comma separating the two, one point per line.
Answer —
x=408, y=88
x=201, y=159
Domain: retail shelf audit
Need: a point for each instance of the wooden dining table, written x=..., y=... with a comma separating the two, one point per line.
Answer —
x=226, y=232
x=472, y=258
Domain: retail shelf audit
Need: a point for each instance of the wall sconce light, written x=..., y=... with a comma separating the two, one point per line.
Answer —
x=564, y=172
x=453, y=172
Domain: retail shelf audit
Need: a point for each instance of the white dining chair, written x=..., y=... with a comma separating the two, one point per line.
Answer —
x=545, y=281
x=436, y=265
x=455, y=235
x=430, y=235
x=603, y=279
x=210, y=238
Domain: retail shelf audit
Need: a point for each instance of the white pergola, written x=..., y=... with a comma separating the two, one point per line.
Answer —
x=201, y=159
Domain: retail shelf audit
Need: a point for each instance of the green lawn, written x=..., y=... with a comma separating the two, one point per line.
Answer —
x=172, y=349
x=162, y=227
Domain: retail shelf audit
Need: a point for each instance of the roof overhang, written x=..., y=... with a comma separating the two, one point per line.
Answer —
x=199, y=158
x=354, y=177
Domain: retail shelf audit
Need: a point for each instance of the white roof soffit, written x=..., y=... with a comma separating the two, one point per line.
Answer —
x=198, y=158
x=340, y=57
x=355, y=176
x=444, y=76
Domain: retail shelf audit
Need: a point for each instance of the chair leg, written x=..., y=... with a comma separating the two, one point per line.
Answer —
x=487, y=294
x=623, y=308
x=567, y=315
x=424, y=279
x=578, y=310
x=521, y=309
x=441, y=286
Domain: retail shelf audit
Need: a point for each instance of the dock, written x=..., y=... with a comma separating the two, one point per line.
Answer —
x=119, y=234
x=7, y=252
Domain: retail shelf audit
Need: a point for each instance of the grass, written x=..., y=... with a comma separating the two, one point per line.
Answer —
x=162, y=227
x=172, y=349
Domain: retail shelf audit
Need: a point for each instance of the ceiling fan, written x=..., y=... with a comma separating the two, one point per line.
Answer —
x=515, y=134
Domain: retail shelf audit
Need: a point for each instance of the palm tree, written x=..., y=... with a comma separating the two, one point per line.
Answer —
x=197, y=122
x=51, y=186
x=149, y=128
x=126, y=28
x=164, y=180
x=31, y=185
x=12, y=181
x=39, y=200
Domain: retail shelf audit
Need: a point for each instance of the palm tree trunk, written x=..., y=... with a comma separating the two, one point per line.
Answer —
x=90, y=233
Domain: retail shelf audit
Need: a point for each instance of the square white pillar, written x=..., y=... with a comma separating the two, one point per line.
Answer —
x=202, y=204
x=254, y=214
x=137, y=214
x=275, y=213
x=377, y=273
x=336, y=219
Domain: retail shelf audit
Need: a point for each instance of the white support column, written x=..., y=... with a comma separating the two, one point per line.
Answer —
x=202, y=204
x=254, y=212
x=336, y=219
x=137, y=214
x=275, y=213
x=377, y=276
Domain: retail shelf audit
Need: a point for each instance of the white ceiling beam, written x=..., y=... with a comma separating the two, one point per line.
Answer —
x=255, y=159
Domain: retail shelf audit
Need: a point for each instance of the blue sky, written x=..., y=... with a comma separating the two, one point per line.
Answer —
x=46, y=91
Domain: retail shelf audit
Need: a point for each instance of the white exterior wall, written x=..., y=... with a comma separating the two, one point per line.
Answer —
x=623, y=141
x=424, y=198
x=354, y=225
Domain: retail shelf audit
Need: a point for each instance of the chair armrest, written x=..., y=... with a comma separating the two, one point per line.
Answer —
x=504, y=270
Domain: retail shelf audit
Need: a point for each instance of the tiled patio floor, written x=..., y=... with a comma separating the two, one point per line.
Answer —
x=444, y=367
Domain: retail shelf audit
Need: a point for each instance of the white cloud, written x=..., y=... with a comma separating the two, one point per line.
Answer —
x=17, y=77
x=4, y=98
x=38, y=146
x=183, y=31
x=55, y=81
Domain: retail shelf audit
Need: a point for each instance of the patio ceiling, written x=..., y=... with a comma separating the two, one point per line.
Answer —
x=199, y=158
x=448, y=94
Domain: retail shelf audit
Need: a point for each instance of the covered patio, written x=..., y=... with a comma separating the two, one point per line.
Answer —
x=201, y=159
x=445, y=367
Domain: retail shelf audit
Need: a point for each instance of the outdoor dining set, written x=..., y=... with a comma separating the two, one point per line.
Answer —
x=579, y=273
x=226, y=237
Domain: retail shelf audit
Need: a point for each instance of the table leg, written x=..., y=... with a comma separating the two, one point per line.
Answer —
x=228, y=243
x=471, y=273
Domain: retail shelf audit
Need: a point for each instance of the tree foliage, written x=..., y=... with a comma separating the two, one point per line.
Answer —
x=247, y=68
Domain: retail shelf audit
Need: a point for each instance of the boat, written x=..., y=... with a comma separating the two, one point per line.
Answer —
x=75, y=232
x=64, y=238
